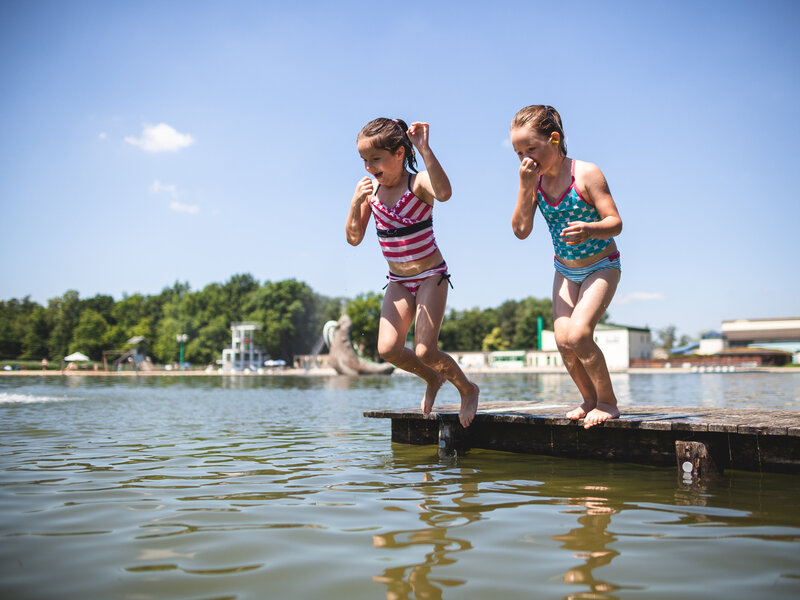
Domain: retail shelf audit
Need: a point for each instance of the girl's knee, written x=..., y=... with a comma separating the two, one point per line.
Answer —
x=389, y=352
x=562, y=340
x=580, y=339
x=426, y=353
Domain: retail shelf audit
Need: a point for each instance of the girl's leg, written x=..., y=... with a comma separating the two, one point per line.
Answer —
x=396, y=317
x=577, y=335
x=431, y=303
x=565, y=297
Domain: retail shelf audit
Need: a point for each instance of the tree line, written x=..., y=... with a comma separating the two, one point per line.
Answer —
x=290, y=312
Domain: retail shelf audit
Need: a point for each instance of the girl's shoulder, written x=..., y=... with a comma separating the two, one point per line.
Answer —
x=421, y=187
x=584, y=169
x=588, y=174
x=589, y=180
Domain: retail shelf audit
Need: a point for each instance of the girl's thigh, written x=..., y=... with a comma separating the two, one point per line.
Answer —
x=431, y=304
x=595, y=296
x=397, y=314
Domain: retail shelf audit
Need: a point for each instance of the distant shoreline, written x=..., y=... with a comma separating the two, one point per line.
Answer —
x=326, y=372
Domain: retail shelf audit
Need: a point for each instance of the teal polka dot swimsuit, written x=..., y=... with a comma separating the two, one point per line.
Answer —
x=570, y=207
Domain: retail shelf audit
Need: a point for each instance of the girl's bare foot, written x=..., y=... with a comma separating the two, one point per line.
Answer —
x=601, y=412
x=469, y=406
x=581, y=411
x=430, y=394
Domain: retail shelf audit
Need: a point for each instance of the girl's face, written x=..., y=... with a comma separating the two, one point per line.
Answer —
x=542, y=149
x=385, y=166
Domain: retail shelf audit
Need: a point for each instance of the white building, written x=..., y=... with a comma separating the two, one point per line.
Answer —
x=710, y=344
x=618, y=343
x=770, y=334
x=242, y=354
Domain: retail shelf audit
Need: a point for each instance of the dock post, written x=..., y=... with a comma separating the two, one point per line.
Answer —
x=694, y=461
x=451, y=438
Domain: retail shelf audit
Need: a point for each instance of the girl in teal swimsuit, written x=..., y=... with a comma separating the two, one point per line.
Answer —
x=574, y=199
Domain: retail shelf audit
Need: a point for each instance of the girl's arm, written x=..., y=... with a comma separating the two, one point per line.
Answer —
x=358, y=217
x=434, y=180
x=524, y=211
x=599, y=195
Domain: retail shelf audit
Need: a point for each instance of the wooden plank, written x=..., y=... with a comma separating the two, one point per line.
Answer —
x=745, y=439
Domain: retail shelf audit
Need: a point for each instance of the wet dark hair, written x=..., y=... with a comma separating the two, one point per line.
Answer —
x=544, y=119
x=390, y=134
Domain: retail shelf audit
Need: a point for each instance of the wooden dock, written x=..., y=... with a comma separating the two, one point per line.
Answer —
x=702, y=442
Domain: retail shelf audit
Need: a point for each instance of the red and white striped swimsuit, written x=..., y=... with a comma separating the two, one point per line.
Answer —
x=405, y=231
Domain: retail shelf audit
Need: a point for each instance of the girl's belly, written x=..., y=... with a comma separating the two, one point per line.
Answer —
x=589, y=260
x=415, y=267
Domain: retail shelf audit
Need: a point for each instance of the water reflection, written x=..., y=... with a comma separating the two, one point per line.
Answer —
x=590, y=542
x=498, y=487
x=452, y=500
x=415, y=580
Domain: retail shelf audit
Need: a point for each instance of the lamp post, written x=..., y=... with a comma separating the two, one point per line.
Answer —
x=181, y=337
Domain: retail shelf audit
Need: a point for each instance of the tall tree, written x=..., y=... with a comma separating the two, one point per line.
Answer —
x=494, y=340
x=365, y=312
x=666, y=337
x=89, y=334
x=34, y=342
x=14, y=325
x=288, y=312
x=64, y=313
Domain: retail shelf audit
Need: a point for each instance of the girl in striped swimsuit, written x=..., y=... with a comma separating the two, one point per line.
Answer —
x=401, y=200
x=574, y=199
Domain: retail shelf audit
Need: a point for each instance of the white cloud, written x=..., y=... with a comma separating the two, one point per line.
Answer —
x=161, y=138
x=102, y=135
x=507, y=143
x=187, y=208
x=167, y=188
x=639, y=297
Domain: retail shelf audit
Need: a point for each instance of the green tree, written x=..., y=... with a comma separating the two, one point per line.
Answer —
x=34, y=343
x=527, y=316
x=465, y=330
x=102, y=304
x=494, y=340
x=88, y=334
x=182, y=313
x=64, y=313
x=289, y=312
x=14, y=325
x=666, y=337
x=365, y=313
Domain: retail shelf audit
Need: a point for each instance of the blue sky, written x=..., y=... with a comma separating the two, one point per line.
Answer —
x=143, y=143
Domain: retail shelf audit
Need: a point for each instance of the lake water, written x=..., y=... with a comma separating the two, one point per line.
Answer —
x=276, y=487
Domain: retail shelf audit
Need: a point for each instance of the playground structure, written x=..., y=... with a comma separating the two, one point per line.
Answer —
x=136, y=356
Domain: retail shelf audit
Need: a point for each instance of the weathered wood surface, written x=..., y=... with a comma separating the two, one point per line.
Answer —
x=735, y=438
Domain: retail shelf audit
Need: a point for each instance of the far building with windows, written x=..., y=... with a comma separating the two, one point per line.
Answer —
x=741, y=343
x=243, y=355
x=620, y=345
x=777, y=335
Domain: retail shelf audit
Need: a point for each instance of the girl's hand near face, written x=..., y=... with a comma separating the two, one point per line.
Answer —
x=359, y=213
x=363, y=190
x=528, y=171
x=418, y=134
